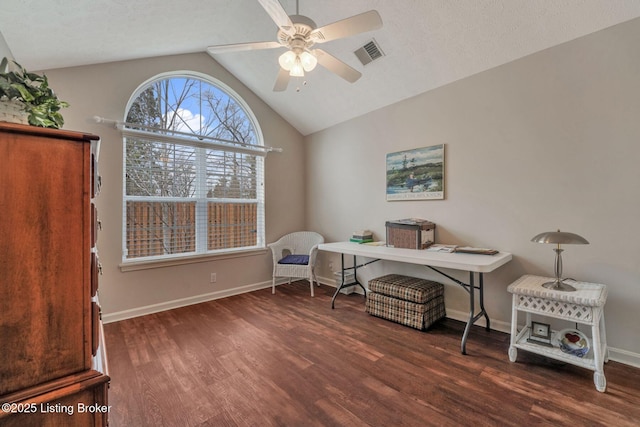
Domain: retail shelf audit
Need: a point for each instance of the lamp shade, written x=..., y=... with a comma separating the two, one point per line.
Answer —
x=560, y=237
x=287, y=60
x=308, y=61
x=296, y=69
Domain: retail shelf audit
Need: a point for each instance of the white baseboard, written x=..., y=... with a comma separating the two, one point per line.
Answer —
x=625, y=357
x=169, y=305
x=615, y=354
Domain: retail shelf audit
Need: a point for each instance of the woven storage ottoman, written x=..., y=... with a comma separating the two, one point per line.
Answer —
x=407, y=300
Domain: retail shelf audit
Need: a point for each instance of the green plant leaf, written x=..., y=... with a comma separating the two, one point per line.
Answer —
x=33, y=91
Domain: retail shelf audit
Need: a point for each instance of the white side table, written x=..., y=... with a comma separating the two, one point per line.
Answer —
x=585, y=306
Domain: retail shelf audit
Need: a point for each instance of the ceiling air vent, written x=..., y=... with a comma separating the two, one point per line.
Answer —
x=369, y=52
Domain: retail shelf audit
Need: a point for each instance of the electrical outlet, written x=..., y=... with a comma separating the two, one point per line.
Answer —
x=331, y=265
x=213, y=278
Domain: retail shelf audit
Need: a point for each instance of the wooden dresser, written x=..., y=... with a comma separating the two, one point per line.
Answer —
x=53, y=369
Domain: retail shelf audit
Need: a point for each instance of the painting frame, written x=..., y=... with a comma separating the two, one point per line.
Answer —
x=416, y=174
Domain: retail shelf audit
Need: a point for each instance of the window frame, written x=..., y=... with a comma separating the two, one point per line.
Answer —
x=202, y=253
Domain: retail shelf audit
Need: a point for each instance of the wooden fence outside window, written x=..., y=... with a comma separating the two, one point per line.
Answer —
x=161, y=228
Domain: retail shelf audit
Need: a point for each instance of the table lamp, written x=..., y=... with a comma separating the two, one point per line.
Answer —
x=558, y=238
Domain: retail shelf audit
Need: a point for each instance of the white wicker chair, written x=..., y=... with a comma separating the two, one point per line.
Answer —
x=301, y=243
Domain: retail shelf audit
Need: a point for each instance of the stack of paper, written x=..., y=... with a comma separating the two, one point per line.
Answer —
x=438, y=247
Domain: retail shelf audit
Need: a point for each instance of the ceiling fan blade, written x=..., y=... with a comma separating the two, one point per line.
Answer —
x=334, y=65
x=238, y=47
x=282, y=81
x=279, y=16
x=357, y=24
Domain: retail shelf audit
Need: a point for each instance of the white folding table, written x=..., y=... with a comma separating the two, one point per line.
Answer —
x=475, y=264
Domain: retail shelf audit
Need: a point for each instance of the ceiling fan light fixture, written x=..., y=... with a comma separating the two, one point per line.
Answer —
x=287, y=60
x=308, y=61
x=297, y=34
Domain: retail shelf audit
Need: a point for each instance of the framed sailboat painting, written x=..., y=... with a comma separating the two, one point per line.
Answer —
x=416, y=174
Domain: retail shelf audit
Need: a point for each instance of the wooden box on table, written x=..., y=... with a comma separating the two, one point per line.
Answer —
x=410, y=233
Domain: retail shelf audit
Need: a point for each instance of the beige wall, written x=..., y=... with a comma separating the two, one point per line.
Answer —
x=549, y=141
x=104, y=90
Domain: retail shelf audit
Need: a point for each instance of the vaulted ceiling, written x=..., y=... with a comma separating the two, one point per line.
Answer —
x=427, y=43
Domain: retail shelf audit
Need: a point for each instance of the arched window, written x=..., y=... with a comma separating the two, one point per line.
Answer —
x=193, y=170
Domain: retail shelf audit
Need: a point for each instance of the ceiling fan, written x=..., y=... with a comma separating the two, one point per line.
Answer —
x=299, y=34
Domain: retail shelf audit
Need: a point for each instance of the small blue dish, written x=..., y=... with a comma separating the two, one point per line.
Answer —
x=572, y=341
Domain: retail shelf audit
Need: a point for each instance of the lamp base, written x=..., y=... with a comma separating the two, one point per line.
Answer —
x=559, y=285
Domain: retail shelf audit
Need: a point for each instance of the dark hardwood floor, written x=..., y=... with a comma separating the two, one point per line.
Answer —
x=287, y=359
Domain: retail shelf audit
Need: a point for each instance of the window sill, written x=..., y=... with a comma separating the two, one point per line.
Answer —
x=192, y=259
